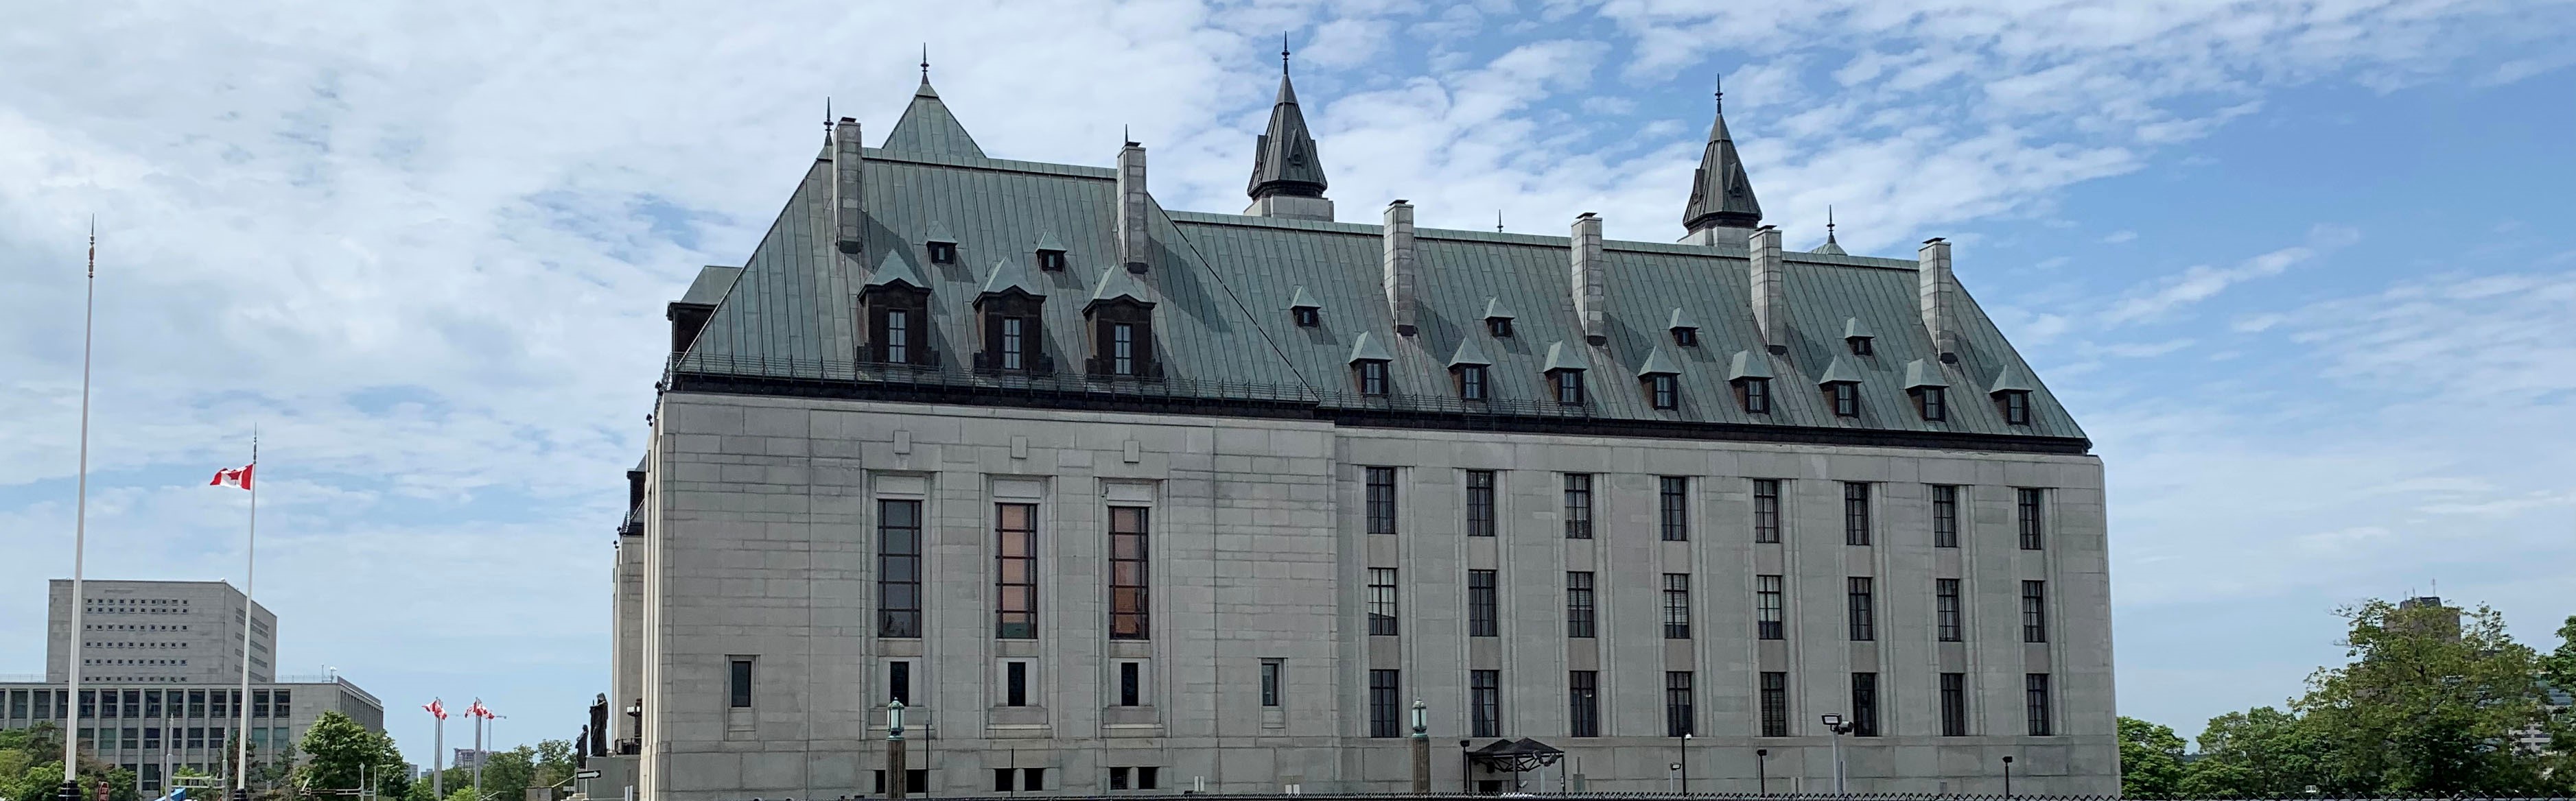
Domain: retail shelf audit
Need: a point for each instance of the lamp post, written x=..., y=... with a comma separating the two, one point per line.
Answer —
x=2007, y=777
x=1761, y=777
x=1835, y=723
x=1684, y=765
x=1421, y=747
x=895, y=774
x=636, y=711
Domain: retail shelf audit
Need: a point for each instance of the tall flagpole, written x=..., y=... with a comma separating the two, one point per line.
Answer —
x=250, y=577
x=438, y=755
x=80, y=539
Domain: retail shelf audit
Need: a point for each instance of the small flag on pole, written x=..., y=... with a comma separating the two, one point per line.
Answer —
x=236, y=478
x=437, y=708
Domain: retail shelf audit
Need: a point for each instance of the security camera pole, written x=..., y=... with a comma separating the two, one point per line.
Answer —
x=1835, y=723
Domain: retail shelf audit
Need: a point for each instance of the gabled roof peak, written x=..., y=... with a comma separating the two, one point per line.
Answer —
x=1115, y=284
x=894, y=270
x=1658, y=364
x=1300, y=300
x=1469, y=354
x=1749, y=364
x=1839, y=372
x=1495, y=310
x=1009, y=274
x=927, y=128
x=1364, y=348
x=1560, y=357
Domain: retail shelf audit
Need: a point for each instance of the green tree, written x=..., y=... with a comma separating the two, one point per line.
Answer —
x=2150, y=759
x=506, y=774
x=555, y=763
x=344, y=755
x=2430, y=704
x=2260, y=752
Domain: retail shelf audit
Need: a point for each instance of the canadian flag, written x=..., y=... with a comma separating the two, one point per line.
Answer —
x=437, y=708
x=237, y=478
x=479, y=711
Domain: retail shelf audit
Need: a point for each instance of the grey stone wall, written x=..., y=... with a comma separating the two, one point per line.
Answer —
x=760, y=544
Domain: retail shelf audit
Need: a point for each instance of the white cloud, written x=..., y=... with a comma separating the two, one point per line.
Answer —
x=2118, y=237
x=2203, y=282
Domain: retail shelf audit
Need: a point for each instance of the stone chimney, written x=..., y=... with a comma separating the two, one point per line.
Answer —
x=1591, y=279
x=847, y=210
x=1403, y=273
x=1770, y=294
x=1133, y=244
x=1939, y=292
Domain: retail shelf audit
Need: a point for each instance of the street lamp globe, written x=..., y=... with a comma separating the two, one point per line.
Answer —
x=1421, y=718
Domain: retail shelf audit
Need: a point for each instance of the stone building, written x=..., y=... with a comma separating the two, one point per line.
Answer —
x=1122, y=498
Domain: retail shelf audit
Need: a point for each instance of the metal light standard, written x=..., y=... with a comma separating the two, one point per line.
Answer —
x=1684, y=765
x=1761, y=777
x=1421, y=748
x=895, y=783
x=2007, y=777
x=1835, y=723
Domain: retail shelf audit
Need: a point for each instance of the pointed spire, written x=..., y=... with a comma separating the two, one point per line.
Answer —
x=925, y=63
x=1283, y=159
x=927, y=128
x=1721, y=194
x=1830, y=247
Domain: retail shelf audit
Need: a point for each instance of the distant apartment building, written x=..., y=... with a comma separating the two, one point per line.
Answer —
x=160, y=680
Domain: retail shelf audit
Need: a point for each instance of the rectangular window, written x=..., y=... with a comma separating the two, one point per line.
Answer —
x=1003, y=779
x=1677, y=608
x=898, y=568
x=1149, y=778
x=1485, y=703
x=1578, y=604
x=1015, y=684
x=1131, y=684
x=738, y=683
x=1270, y=682
x=1122, y=349
x=1855, y=513
x=1864, y=704
x=1775, y=704
x=1583, y=701
x=1766, y=510
x=1012, y=342
x=1945, y=516
x=1569, y=386
x=1381, y=602
x=1127, y=590
x=2017, y=408
x=2027, y=511
x=1482, y=613
x=2035, y=686
x=1578, y=506
x=1756, y=394
x=1857, y=589
x=1768, y=596
x=1674, y=497
x=196, y=703
x=1664, y=391
x=1032, y=778
x=1118, y=778
x=1679, y=719
x=152, y=704
x=1372, y=377
x=1933, y=402
x=2034, y=611
x=1016, y=607
x=915, y=781
x=1945, y=608
x=258, y=703
x=899, y=681
x=1471, y=382
x=898, y=345
x=1480, y=503
x=1381, y=500
x=1954, y=705
x=1845, y=397
x=1383, y=703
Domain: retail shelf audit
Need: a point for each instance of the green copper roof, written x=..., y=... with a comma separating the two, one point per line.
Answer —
x=1748, y=364
x=1839, y=372
x=2013, y=379
x=1924, y=373
x=895, y=271
x=1721, y=192
x=1009, y=274
x=1855, y=329
x=1047, y=242
x=1682, y=319
x=711, y=286
x=1300, y=300
x=1561, y=356
x=1364, y=348
x=927, y=129
x=1116, y=283
x=1284, y=160
x=939, y=233
x=1468, y=353
x=1657, y=364
x=1495, y=310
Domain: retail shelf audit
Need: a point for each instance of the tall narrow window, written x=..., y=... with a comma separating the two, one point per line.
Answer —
x=1864, y=704
x=738, y=683
x=1845, y=397
x=1945, y=605
x=2035, y=686
x=1127, y=586
x=1578, y=603
x=1480, y=503
x=2034, y=611
x=1381, y=602
x=1485, y=703
x=1932, y=402
x=1766, y=510
x=1857, y=590
x=899, y=681
x=1383, y=703
x=1016, y=607
x=1015, y=684
x=1664, y=391
x=1954, y=705
x=1305, y=317
x=1051, y=261
x=1131, y=684
x=1583, y=702
x=1498, y=326
x=1755, y=393
x=1122, y=349
x=1578, y=506
x=1481, y=604
x=1775, y=704
x=1855, y=513
x=1014, y=343
x=1679, y=718
x=1372, y=374
x=2027, y=511
x=1945, y=516
x=898, y=568
x=2015, y=405
x=1381, y=500
x=942, y=252
x=1674, y=502
x=1768, y=597
x=1569, y=386
x=1270, y=681
x=1471, y=382
x=898, y=343
x=1677, y=617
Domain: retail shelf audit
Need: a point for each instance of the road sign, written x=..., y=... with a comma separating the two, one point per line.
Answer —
x=585, y=774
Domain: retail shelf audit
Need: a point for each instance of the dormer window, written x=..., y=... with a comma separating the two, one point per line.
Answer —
x=1051, y=261
x=1564, y=370
x=1664, y=391
x=1686, y=337
x=1844, y=397
x=1368, y=364
x=1500, y=327
x=943, y=252
x=1471, y=382
x=1306, y=318
x=895, y=308
x=1858, y=337
x=1470, y=369
x=1685, y=328
x=1754, y=394
x=1122, y=329
x=2015, y=405
x=1859, y=345
x=1372, y=377
x=1303, y=309
x=1008, y=313
x=1932, y=402
x=1569, y=385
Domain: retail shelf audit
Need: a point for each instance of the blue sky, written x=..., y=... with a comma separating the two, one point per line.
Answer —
x=2304, y=270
